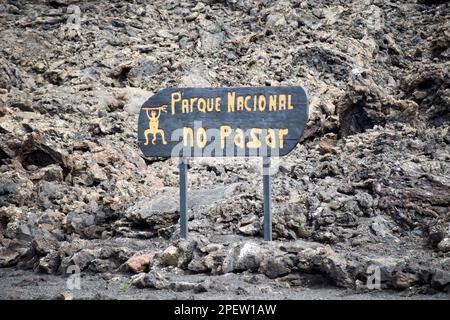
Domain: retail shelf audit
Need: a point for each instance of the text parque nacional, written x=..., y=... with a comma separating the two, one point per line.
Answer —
x=236, y=120
x=251, y=103
x=275, y=102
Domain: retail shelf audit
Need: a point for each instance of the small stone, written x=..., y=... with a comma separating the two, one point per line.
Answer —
x=444, y=245
x=200, y=288
x=83, y=258
x=45, y=243
x=197, y=265
x=200, y=7
x=275, y=20
x=149, y=280
x=65, y=296
x=185, y=252
x=335, y=266
x=211, y=41
x=306, y=259
x=8, y=257
x=98, y=174
x=440, y=279
x=183, y=286
x=403, y=280
x=328, y=108
x=381, y=227
x=275, y=267
x=105, y=126
x=102, y=265
x=328, y=145
x=143, y=280
x=147, y=67
x=170, y=256
x=50, y=173
x=249, y=230
x=247, y=256
x=141, y=262
x=48, y=264
x=192, y=16
x=196, y=76
x=445, y=264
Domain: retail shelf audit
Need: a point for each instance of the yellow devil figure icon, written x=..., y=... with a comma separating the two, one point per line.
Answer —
x=153, y=124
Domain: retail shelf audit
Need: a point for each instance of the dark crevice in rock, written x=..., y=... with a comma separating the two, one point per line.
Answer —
x=123, y=75
x=4, y=157
x=38, y=158
x=355, y=120
x=150, y=161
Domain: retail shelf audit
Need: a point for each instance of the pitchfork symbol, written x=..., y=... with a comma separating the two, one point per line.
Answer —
x=154, y=124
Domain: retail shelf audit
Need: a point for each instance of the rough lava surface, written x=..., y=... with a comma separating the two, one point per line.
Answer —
x=364, y=197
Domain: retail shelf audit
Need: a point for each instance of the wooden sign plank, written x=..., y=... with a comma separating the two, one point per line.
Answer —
x=216, y=122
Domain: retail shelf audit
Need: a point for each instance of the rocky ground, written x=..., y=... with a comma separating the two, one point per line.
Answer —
x=366, y=193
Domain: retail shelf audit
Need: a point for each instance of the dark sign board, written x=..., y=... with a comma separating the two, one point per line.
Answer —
x=217, y=122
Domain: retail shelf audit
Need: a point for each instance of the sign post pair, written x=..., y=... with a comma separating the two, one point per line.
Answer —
x=223, y=122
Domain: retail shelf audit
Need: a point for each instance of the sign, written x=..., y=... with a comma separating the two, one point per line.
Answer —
x=217, y=122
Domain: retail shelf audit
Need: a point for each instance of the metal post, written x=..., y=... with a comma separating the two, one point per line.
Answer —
x=267, y=200
x=183, y=198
